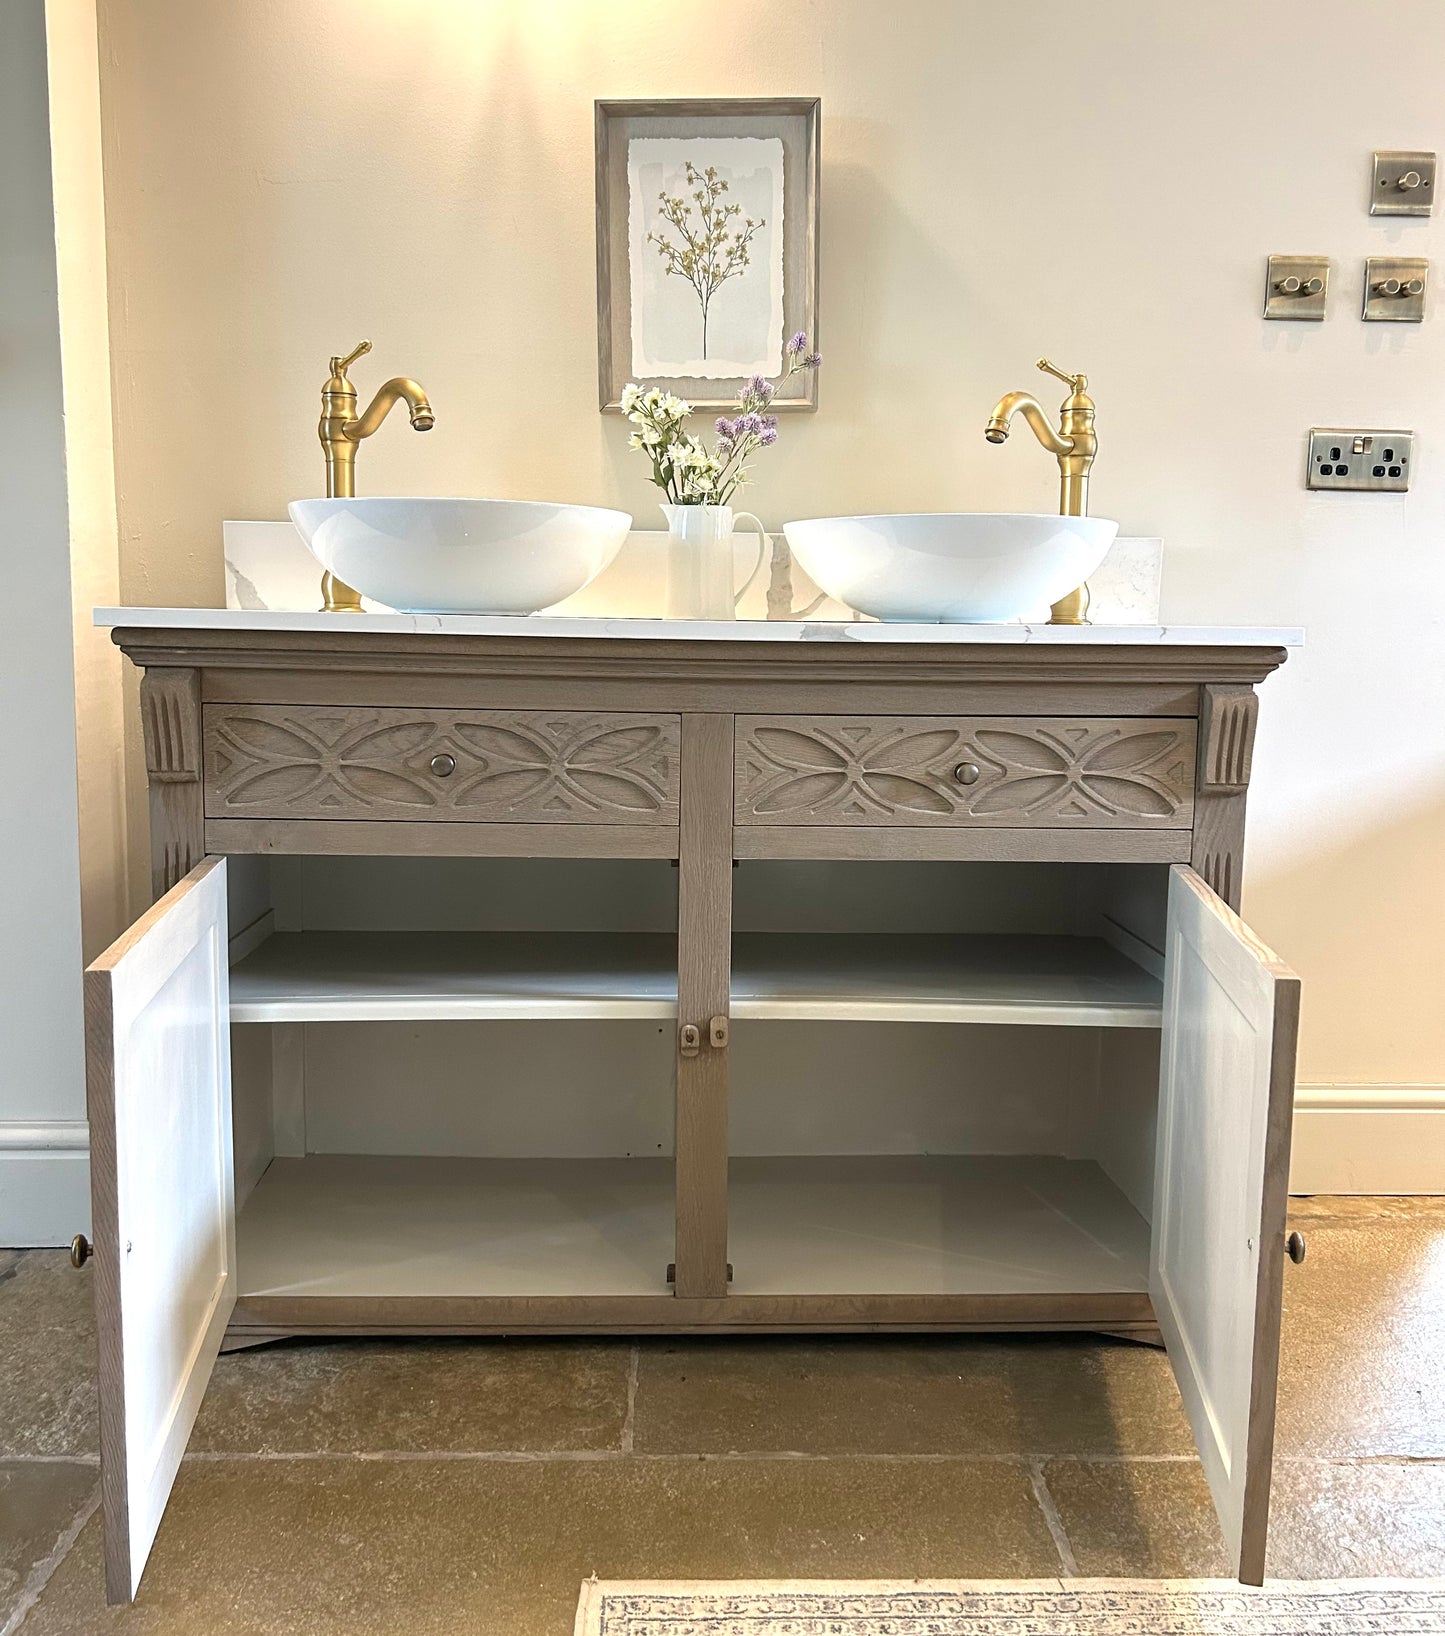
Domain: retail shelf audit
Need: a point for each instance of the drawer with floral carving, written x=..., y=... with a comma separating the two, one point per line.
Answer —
x=512, y=766
x=1065, y=772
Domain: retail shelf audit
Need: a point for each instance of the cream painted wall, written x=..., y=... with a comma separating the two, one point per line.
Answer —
x=999, y=181
x=77, y=190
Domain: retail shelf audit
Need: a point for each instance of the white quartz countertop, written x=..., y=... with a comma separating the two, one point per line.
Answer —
x=701, y=630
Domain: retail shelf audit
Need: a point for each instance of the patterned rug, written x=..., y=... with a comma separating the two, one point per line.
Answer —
x=1011, y=1607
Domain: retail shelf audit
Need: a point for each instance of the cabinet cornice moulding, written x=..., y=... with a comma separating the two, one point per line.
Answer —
x=693, y=662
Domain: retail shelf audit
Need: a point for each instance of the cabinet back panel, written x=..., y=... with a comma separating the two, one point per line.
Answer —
x=837, y=1088
x=490, y=1089
x=820, y=896
x=605, y=1089
x=476, y=894
x=585, y=894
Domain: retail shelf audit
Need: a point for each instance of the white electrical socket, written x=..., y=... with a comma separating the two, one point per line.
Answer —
x=1372, y=462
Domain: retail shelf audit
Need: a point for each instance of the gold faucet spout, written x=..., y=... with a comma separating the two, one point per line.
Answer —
x=399, y=389
x=1073, y=445
x=1027, y=405
x=341, y=429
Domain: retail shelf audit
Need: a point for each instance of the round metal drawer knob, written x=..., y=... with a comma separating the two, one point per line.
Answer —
x=81, y=1250
x=966, y=772
x=1295, y=1247
x=443, y=766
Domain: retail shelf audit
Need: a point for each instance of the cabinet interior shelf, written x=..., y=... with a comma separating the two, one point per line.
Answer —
x=777, y=976
x=358, y=1225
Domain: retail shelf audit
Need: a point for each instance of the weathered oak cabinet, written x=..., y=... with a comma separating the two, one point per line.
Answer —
x=1020, y=847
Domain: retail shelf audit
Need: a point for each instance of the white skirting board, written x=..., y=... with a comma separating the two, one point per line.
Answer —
x=1368, y=1139
x=44, y=1182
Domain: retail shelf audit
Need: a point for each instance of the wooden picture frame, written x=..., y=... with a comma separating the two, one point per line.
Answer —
x=792, y=122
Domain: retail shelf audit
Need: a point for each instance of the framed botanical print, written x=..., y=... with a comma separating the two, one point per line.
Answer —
x=707, y=245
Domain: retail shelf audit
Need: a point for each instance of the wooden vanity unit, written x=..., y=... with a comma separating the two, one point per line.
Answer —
x=847, y=953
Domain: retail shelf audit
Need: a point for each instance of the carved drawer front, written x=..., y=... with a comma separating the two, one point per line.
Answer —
x=451, y=766
x=1068, y=772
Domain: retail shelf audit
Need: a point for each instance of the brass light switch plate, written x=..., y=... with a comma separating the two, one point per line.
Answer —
x=1395, y=289
x=1297, y=287
x=1403, y=184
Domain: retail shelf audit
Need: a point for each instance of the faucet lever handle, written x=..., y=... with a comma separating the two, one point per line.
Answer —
x=339, y=366
x=1078, y=382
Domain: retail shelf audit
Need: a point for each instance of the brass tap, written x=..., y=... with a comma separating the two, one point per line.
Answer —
x=1073, y=446
x=341, y=429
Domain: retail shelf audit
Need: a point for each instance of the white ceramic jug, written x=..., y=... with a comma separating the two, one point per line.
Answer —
x=700, y=570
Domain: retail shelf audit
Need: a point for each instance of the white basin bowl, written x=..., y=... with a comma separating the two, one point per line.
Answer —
x=953, y=567
x=461, y=556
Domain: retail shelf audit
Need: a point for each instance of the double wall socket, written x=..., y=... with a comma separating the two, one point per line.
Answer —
x=1372, y=462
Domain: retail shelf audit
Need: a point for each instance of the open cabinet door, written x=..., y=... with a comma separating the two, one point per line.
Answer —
x=1231, y=1014
x=158, y=1067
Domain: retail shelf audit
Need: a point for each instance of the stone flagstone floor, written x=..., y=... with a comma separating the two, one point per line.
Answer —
x=448, y=1487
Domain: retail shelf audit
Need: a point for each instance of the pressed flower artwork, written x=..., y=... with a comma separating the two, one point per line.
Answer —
x=705, y=256
x=707, y=249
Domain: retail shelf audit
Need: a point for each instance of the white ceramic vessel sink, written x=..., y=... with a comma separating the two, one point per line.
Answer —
x=461, y=556
x=956, y=567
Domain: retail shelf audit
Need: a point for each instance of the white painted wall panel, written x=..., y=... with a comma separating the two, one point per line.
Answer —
x=42, y=1076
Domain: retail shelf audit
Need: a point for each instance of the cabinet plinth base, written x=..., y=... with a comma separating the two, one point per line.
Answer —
x=1127, y=1313
x=1145, y=1335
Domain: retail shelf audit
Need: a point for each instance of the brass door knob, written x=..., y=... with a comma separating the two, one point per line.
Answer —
x=1295, y=1247
x=81, y=1250
x=966, y=772
x=443, y=765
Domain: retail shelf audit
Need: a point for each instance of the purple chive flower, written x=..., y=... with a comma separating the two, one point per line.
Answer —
x=770, y=423
x=759, y=389
x=813, y=360
x=749, y=424
x=768, y=436
x=725, y=427
x=799, y=343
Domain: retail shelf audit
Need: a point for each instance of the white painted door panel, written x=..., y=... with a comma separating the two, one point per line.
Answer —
x=162, y=1186
x=1231, y=1013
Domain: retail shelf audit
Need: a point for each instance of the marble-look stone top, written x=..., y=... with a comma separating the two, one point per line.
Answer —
x=701, y=630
